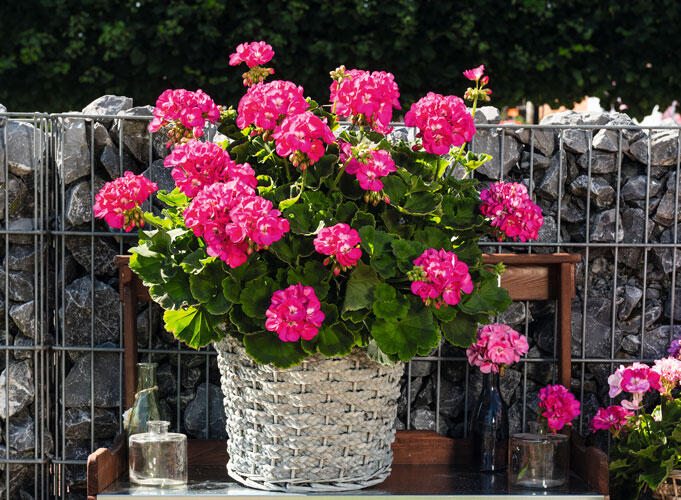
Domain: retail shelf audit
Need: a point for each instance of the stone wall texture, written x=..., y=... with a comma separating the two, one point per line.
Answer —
x=628, y=178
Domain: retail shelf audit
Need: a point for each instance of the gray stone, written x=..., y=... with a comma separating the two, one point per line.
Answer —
x=598, y=328
x=3, y=120
x=553, y=179
x=102, y=264
x=656, y=342
x=563, y=118
x=77, y=423
x=20, y=385
x=73, y=159
x=665, y=213
x=489, y=141
x=633, y=225
x=487, y=114
x=108, y=105
x=195, y=414
x=452, y=398
x=631, y=344
x=508, y=384
x=572, y=214
x=21, y=258
x=601, y=163
x=665, y=256
x=18, y=226
x=23, y=316
x=631, y=296
x=79, y=202
x=160, y=175
x=406, y=134
x=147, y=324
x=423, y=419
x=635, y=188
x=603, y=228
x=514, y=315
x=399, y=425
x=166, y=379
x=17, y=195
x=663, y=148
x=548, y=233
x=538, y=160
x=135, y=133
x=102, y=139
x=633, y=324
x=22, y=432
x=106, y=389
x=421, y=368
x=20, y=286
x=544, y=139
x=21, y=341
x=677, y=305
x=602, y=194
x=190, y=377
x=606, y=140
x=111, y=160
x=78, y=312
x=160, y=139
x=575, y=141
x=24, y=148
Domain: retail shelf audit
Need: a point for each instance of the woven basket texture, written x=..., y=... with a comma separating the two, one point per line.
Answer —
x=671, y=488
x=324, y=425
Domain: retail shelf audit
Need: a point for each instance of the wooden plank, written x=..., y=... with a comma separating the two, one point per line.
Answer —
x=207, y=452
x=530, y=259
x=428, y=447
x=529, y=282
x=567, y=271
x=130, y=357
x=590, y=463
x=106, y=465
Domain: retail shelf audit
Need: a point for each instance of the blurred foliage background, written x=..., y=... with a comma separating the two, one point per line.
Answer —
x=58, y=55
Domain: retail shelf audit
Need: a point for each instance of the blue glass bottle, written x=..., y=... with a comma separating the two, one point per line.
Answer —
x=489, y=427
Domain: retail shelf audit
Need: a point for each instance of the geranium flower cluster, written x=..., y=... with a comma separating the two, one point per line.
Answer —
x=559, y=407
x=439, y=278
x=118, y=202
x=669, y=370
x=512, y=211
x=234, y=221
x=294, y=313
x=479, y=91
x=341, y=244
x=184, y=112
x=612, y=418
x=496, y=347
x=254, y=54
x=443, y=122
x=266, y=104
x=301, y=138
x=198, y=164
x=368, y=166
x=367, y=97
x=636, y=379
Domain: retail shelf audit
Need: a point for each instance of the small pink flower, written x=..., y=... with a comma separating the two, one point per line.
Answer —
x=512, y=211
x=368, y=169
x=189, y=109
x=341, y=244
x=265, y=105
x=369, y=96
x=559, y=406
x=294, y=313
x=496, y=346
x=669, y=371
x=443, y=122
x=475, y=73
x=119, y=200
x=301, y=138
x=440, y=278
x=612, y=418
x=252, y=53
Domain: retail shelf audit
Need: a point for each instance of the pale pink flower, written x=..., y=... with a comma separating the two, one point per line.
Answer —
x=669, y=370
x=495, y=347
x=119, y=200
x=294, y=313
x=475, y=73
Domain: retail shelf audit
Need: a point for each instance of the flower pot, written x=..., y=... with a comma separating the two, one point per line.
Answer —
x=324, y=425
x=539, y=460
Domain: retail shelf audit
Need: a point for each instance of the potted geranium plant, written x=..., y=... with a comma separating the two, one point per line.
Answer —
x=647, y=438
x=317, y=259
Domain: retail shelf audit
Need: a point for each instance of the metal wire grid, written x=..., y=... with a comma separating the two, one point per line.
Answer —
x=51, y=230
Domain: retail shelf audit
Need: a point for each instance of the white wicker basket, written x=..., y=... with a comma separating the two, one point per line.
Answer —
x=325, y=425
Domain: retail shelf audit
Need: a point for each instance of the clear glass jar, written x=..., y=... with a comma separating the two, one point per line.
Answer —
x=539, y=460
x=158, y=457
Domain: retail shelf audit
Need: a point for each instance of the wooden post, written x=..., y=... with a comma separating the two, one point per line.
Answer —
x=129, y=299
x=567, y=291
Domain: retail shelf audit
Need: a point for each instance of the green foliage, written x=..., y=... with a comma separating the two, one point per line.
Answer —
x=140, y=48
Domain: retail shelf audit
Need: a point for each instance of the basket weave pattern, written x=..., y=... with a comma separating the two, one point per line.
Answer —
x=325, y=425
x=671, y=488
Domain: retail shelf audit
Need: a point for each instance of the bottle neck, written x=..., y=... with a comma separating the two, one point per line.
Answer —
x=490, y=382
x=146, y=376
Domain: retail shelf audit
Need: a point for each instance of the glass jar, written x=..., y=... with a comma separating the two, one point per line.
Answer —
x=539, y=460
x=146, y=406
x=158, y=457
x=489, y=427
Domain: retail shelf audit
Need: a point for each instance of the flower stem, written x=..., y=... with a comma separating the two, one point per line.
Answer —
x=457, y=156
x=340, y=174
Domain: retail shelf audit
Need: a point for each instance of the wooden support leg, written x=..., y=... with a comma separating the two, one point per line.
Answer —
x=564, y=327
x=129, y=298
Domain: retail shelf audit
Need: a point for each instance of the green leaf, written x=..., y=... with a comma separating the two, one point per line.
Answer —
x=266, y=348
x=360, y=288
x=192, y=264
x=253, y=268
x=174, y=293
x=346, y=211
x=422, y=203
x=256, y=296
x=395, y=188
x=231, y=288
x=376, y=244
x=218, y=305
x=362, y=219
x=433, y=237
x=334, y=340
x=461, y=213
x=374, y=353
x=313, y=274
x=175, y=198
x=291, y=249
x=490, y=298
x=194, y=327
x=244, y=323
x=389, y=304
x=460, y=331
x=355, y=316
x=146, y=264
x=444, y=313
x=204, y=287
x=405, y=252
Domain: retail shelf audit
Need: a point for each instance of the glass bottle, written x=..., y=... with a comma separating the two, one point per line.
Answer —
x=158, y=457
x=539, y=459
x=489, y=427
x=146, y=406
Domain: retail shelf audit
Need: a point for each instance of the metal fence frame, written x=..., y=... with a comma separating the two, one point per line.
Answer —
x=51, y=232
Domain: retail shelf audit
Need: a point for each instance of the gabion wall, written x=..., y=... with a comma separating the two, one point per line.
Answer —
x=607, y=188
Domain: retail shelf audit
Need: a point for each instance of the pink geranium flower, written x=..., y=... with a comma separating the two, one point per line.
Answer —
x=341, y=244
x=443, y=122
x=252, y=53
x=265, y=105
x=368, y=167
x=669, y=371
x=301, y=138
x=512, y=211
x=294, y=313
x=612, y=418
x=190, y=110
x=559, y=407
x=496, y=346
x=118, y=202
x=439, y=278
x=475, y=73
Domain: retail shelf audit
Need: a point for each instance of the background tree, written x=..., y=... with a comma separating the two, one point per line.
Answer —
x=59, y=54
